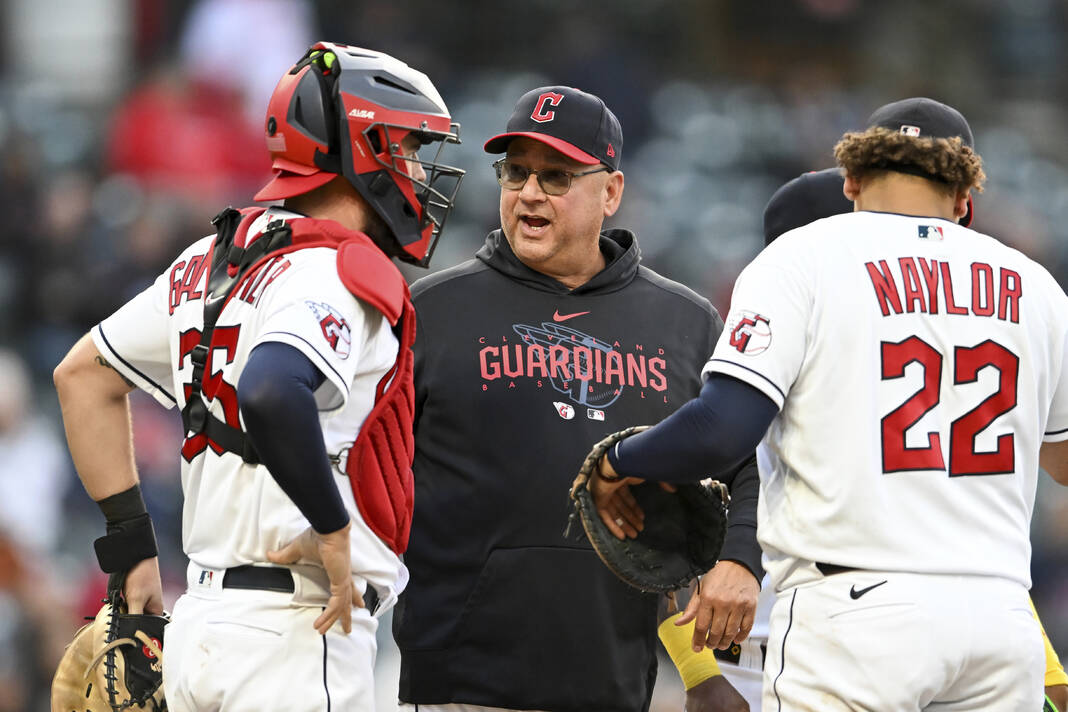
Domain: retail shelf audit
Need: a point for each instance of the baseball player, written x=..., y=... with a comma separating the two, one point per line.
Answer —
x=284, y=340
x=905, y=392
x=808, y=197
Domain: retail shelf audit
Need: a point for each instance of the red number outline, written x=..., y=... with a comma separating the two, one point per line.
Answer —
x=897, y=457
x=968, y=362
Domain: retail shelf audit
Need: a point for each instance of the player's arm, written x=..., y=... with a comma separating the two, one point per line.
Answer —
x=706, y=688
x=96, y=417
x=276, y=394
x=1056, y=695
x=707, y=437
x=1053, y=457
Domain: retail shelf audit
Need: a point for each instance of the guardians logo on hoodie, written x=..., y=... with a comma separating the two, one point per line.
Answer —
x=590, y=372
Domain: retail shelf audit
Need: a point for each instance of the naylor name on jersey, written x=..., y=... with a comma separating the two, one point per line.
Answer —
x=918, y=284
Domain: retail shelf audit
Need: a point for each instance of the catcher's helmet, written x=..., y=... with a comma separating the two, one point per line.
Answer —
x=345, y=110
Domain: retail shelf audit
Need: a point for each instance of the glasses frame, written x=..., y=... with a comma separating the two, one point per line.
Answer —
x=571, y=175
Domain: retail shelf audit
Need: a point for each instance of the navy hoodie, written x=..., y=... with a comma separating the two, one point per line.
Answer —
x=516, y=377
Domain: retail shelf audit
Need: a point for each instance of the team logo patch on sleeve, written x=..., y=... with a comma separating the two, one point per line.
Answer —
x=334, y=327
x=750, y=333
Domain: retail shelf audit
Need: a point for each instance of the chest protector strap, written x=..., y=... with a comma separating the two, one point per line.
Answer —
x=379, y=463
x=223, y=279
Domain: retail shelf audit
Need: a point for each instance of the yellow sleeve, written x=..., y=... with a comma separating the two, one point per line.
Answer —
x=694, y=668
x=1055, y=674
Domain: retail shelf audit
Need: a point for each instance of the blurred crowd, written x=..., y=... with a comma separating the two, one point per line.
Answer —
x=120, y=142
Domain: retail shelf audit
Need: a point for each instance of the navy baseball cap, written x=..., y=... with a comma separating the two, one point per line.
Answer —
x=575, y=123
x=925, y=118
x=809, y=197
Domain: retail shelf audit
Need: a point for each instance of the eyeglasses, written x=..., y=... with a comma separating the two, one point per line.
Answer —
x=553, y=181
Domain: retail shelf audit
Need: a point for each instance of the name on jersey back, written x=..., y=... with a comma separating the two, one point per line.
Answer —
x=923, y=285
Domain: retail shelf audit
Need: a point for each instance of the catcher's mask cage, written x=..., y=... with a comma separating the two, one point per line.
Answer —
x=346, y=110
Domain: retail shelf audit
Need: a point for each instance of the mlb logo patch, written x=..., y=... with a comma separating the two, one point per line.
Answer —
x=910, y=130
x=929, y=232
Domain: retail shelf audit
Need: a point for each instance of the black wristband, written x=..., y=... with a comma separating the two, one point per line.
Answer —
x=126, y=544
x=124, y=505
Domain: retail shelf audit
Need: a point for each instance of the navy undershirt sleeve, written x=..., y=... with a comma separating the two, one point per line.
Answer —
x=276, y=394
x=704, y=438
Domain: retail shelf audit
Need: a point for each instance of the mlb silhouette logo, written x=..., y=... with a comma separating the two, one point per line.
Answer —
x=910, y=130
x=929, y=232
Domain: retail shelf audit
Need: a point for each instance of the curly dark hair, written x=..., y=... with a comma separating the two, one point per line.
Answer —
x=947, y=161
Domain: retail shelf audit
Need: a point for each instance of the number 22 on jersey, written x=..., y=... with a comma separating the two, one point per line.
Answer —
x=966, y=363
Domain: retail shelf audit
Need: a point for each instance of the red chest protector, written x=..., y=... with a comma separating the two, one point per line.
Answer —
x=379, y=463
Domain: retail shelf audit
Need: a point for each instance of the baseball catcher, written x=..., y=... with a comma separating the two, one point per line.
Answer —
x=285, y=344
x=680, y=540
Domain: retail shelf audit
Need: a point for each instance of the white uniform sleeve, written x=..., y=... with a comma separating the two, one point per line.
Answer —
x=314, y=313
x=764, y=337
x=135, y=340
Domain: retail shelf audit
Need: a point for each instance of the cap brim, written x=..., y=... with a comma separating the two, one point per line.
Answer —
x=499, y=144
x=286, y=184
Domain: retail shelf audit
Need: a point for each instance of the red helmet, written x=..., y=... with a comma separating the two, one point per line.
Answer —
x=346, y=110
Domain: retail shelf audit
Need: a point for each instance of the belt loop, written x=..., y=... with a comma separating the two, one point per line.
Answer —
x=832, y=569
x=370, y=599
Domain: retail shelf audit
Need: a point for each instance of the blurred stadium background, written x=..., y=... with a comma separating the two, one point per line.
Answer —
x=125, y=125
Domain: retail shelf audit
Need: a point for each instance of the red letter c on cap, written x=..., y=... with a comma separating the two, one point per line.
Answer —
x=545, y=100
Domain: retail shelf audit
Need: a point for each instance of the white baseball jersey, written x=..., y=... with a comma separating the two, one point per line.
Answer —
x=235, y=512
x=917, y=365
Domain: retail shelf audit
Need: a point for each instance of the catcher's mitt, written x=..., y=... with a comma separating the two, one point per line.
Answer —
x=683, y=533
x=114, y=662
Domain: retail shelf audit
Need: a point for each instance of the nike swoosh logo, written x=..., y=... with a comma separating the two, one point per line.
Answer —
x=855, y=594
x=557, y=316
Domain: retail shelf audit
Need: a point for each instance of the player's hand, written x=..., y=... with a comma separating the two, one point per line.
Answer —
x=143, y=589
x=616, y=504
x=723, y=608
x=715, y=695
x=334, y=553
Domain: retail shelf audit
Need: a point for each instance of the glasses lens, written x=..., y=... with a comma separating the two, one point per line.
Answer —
x=554, y=182
x=512, y=175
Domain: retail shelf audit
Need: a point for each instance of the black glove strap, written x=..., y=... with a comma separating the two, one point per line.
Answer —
x=126, y=544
